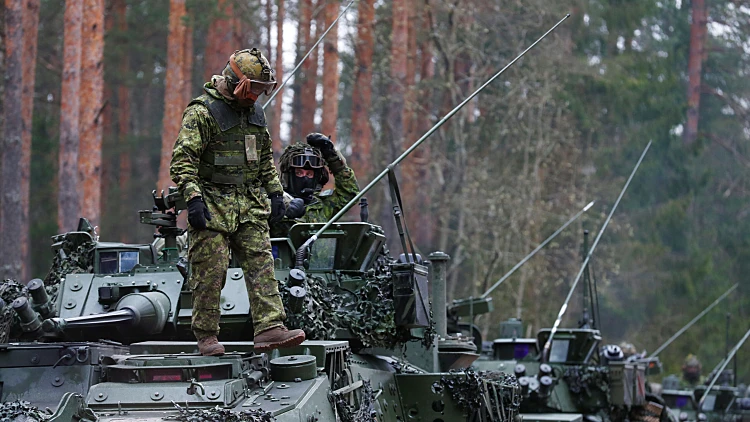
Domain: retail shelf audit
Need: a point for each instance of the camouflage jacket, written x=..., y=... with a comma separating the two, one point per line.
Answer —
x=325, y=204
x=228, y=204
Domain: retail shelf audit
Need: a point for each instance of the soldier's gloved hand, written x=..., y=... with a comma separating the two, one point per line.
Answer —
x=277, y=207
x=198, y=213
x=323, y=143
x=295, y=209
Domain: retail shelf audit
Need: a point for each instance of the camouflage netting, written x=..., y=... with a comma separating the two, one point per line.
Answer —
x=9, y=323
x=366, y=312
x=74, y=256
x=346, y=412
x=21, y=411
x=586, y=379
x=218, y=414
x=484, y=395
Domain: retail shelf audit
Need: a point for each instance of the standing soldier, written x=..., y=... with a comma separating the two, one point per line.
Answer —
x=304, y=172
x=222, y=160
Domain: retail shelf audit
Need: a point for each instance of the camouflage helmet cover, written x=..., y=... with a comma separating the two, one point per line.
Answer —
x=253, y=64
x=296, y=149
x=250, y=74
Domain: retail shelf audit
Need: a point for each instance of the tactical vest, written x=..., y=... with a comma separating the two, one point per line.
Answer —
x=232, y=156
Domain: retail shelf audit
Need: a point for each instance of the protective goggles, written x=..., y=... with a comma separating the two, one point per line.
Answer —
x=307, y=159
x=250, y=88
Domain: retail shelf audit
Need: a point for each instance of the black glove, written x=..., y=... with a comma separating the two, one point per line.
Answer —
x=307, y=195
x=323, y=143
x=198, y=213
x=296, y=208
x=277, y=207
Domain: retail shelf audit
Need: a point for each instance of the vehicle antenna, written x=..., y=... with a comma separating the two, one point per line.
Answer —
x=289, y=76
x=301, y=252
x=538, y=248
x=548, y=344
x=693, y=321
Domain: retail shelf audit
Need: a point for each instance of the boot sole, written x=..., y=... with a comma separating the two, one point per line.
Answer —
x=290, y=342
x=214, y=353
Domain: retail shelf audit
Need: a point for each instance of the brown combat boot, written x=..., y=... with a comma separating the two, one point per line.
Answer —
x=210, y=346
x=278, y=337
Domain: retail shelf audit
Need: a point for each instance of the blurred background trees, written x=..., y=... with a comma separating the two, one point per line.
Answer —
x=561, y=128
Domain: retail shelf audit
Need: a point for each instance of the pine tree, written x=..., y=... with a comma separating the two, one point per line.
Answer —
x=11, y=221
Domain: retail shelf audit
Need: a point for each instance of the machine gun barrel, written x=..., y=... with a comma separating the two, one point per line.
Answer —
x=548, y=344
x=283, y=84
x=415, y=145
x=693, y=321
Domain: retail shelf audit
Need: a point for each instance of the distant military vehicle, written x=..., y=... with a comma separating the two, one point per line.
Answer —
x=111, y=341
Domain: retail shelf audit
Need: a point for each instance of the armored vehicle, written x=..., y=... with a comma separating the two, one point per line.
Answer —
x=106, y=337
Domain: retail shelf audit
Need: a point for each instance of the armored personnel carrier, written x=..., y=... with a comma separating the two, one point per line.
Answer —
x=106, y=337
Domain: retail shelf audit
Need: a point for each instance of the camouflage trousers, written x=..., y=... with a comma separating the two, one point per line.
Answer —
x=209, y=262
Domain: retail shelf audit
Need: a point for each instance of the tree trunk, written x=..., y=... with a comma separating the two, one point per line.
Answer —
x=30, y=22
x=695, y=65
x=188, y=56
x=219, y=40
x=362, y=95
x=309, y=76
x=394, y=128
x=423, y=232
x=173, y=95
x=119, y=8
x=411, y=184
x=67, y=197
x=330, y=71
x=269, y=28
x=92, y=65
x=279, y=100
x=11, y=222
x=303, y=39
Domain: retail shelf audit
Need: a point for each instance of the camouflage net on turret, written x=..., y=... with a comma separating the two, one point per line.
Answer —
x=218, y=414
x=73, y=257
x=484, y=395
x=21, y=411
x=9, y=323
x=367, y=312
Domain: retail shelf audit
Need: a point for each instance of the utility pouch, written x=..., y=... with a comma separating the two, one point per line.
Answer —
x=251, y=153
x=410, y=299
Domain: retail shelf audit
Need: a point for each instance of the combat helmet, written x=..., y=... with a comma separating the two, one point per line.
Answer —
x=302, y=155
x=249, y=74
x=691, y=369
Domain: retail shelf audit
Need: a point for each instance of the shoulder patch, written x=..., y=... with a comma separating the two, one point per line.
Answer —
x=259, y=117
x=224, y=115
x=327, y=192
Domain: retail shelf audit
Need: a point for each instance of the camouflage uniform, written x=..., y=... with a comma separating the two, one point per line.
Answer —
x=327, y=203
x=223, y=153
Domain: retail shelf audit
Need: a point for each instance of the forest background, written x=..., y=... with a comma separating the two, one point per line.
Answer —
x=84, y=99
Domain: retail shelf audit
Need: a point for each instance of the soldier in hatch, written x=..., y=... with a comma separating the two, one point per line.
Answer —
x=304, y=172
x=221, y=160
x=691, y=372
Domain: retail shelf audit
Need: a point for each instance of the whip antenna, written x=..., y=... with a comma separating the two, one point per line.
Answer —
x=277, y=90
x=313, y=238
x=548, y=344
